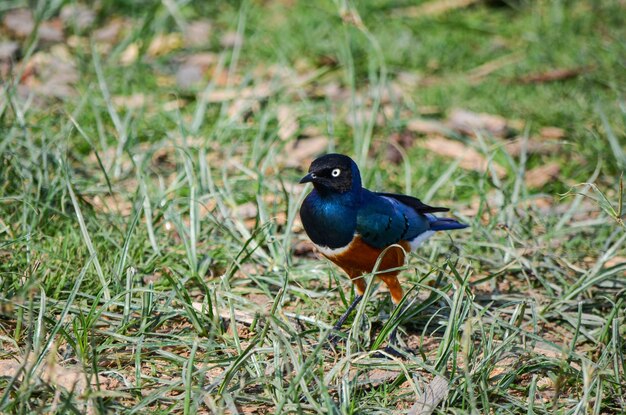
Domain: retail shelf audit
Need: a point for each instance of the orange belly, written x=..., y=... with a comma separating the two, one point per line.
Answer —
x=360, y=258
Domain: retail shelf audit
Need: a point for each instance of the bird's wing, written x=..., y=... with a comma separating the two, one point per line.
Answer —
x=382, y=220
x=414, y=203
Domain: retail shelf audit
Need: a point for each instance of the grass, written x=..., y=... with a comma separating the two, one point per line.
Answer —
x=151, y=256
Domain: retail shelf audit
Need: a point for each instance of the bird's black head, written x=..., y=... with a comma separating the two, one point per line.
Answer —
x=334, y=172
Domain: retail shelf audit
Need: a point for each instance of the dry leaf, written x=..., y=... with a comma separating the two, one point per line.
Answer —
x=503, y=366
x=9, y=367
x=75, y=42
x=130, y=102
x=240, y=316
x=434, y=393
x=130, y=54
x=231, y=39
x=426, y=127
x=188, y=76
x=193, y=69
x=110, y=204
x=408, y=79
x=19, y=22
x=203, y=59
x=469, y=158
x=616, y=260
x=51, y=74
x=243, y=109
x=165, y=81
x=334, y=91
x=468, y=122
x=174, y=105
x=433, y=8
x=476, y=74
x=247, y=210
x=287, y=122
x=68, y=378
x=110, y=32
x=220, y=95
x=78, y=15
x=545, y=383
x=245, y=100
x=374, y=377
x=298, y=153
x=9, y=51
x=554, y=133
x=554, y=75
x=362, y=115
x=198, y=33
x=258, y=299
x=533, y=146
x=304, y=248
x=51, y=31
x=398, y=140
x=429, y=110
x=542, y=175
x=164, y=43
x=296, y=226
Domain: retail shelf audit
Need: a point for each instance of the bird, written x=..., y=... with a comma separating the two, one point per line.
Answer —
x=355, y=228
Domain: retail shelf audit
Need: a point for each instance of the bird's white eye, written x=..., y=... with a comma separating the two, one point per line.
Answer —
x=336, y=172
x=313, y=176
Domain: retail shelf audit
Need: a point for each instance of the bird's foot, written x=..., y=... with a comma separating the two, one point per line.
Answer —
x=335, y=338
x=388, y=351
x=393, y=348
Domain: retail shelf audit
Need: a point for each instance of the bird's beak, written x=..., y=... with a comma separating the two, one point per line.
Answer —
x=307, y=179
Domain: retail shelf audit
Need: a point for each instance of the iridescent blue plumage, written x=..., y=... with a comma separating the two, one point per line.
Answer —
x=340, y=208
x=383, y=221
x=329, y=220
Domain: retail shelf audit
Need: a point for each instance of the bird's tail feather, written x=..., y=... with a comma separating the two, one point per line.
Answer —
x=444, y=224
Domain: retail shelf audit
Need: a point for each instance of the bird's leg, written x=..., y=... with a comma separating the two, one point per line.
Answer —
x=335, y=338
x=392, y=343
x=393, y=340
x=391, y=280
x=393, y=336
x=396, y=296
x=346, y=314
